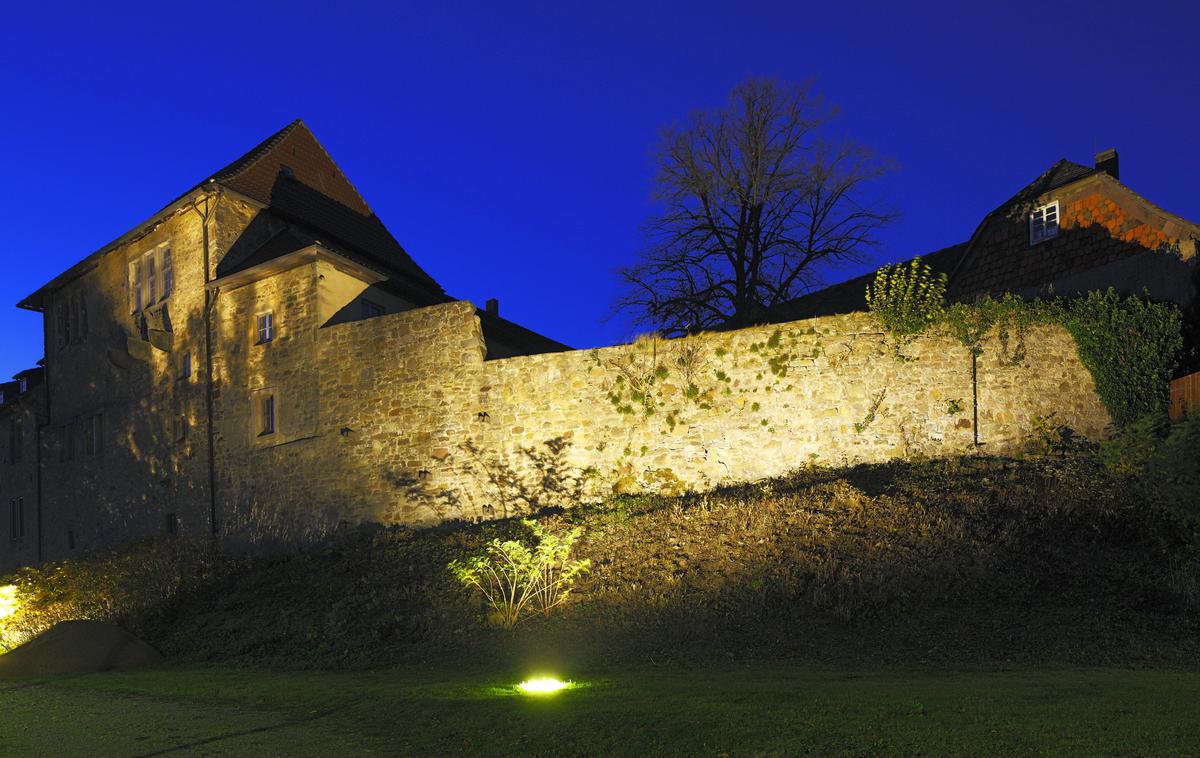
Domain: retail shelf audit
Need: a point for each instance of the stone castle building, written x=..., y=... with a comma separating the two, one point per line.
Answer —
x=261, y=360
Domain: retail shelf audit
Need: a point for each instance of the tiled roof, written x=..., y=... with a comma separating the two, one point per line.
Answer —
x=292, y=174
x=851, y=295
x=1062, y=173
x=518, y=339
x=317, y=217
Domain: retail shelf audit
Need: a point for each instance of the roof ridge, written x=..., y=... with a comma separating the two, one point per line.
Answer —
x=252, y=156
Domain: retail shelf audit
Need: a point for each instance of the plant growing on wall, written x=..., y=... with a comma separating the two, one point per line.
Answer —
x=1131, y=346
x=906, y=300
x=516, y=579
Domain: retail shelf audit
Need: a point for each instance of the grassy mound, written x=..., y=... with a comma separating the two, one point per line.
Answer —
x=970, y=560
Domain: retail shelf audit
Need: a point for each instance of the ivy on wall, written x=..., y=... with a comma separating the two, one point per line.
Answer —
x=1130, y=345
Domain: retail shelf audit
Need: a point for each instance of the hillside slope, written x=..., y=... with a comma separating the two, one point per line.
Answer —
x=971, y=560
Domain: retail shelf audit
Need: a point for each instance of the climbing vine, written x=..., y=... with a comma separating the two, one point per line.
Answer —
x=1130, y=345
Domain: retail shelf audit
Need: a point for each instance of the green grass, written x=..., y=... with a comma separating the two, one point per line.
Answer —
x=759, y=710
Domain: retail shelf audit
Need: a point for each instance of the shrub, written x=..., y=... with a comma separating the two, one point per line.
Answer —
x=1128, y=452
x=515, y=579
x=114, y=585
x=906, y=300
x=1131, y=347
x=1160, y=460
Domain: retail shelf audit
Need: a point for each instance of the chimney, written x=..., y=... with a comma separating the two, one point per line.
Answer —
x=492, y=306
x=1107, y=162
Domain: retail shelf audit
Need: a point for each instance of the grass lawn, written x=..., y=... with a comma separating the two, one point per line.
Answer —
x=761, y=710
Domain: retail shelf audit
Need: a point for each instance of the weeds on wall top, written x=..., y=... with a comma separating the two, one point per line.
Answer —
x=907, y=300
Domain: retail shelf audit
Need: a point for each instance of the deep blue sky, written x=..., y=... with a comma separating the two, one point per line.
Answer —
x=508, y=146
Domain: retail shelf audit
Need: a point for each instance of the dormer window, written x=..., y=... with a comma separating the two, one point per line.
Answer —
x=1043, y=223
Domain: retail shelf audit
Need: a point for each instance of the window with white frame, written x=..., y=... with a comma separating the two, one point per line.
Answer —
x=1043, y=223
x=265, y=328
x=151, y=278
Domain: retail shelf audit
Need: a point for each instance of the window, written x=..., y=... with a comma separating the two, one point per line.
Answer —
x=22, y=386
x=62, y=327
x=181, y=427
x=70, y=539
x=265, y=328
x=151, y=278
x=266, y=415
x=68, y=443
x=15, y=438
x=370, y=309
x=81, y=319
x=1043, y=223
x=92, y=436
x=16, y=518
x=135, y=285
x=172, y=524
x=185, y=366
x=168, y=273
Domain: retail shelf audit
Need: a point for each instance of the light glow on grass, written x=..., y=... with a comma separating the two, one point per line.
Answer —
x=542, y=685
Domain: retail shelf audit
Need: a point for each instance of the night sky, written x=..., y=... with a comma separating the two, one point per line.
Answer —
x=508, y=146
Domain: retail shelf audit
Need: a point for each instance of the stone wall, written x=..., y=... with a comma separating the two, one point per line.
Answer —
x=145, y=472
x=415, y=427
x=20, y=517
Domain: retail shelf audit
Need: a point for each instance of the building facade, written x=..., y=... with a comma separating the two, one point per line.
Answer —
x=261, y=361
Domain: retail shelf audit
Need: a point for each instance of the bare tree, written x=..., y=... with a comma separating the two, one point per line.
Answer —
x=756, y=200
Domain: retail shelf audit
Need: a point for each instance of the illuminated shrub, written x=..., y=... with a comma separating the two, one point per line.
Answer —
x=907, y=300
x=110, y=586
x=516, y=579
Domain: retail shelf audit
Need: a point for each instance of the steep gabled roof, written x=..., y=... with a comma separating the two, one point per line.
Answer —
x=1060, y=174
x=292, y=174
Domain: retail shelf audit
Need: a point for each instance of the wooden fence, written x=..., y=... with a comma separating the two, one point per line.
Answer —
x=1185, y=396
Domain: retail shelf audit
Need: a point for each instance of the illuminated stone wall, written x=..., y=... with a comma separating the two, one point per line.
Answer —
x=414, y=426
x=400, y=419
x=151, y=461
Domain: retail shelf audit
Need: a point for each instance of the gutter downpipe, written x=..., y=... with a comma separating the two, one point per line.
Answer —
x=210, y=299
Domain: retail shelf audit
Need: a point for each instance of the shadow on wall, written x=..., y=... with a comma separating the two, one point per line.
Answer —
x=534, y=478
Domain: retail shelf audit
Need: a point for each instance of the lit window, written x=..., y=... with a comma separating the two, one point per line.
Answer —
x=265, y=328
x=1043, y=223
x=266, y=414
